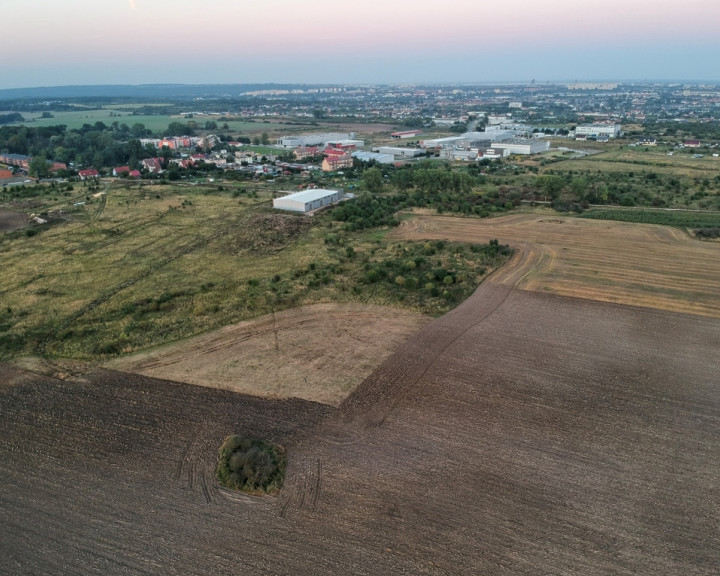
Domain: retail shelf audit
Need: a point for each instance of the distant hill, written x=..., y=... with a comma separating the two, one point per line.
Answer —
x=150, y=91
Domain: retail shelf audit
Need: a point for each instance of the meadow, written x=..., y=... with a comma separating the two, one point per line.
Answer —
x=156, y=123
x=147, y=264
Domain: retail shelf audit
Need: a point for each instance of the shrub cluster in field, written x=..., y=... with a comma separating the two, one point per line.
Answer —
x=575, y=190
x=251, y=465
x=702, y=220
x=432, y=276
x=422, y=186
x=708, y=233
x=437, y=269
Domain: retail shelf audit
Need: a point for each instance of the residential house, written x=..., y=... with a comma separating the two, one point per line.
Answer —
x=334, y=162
x=88, y=174
x=120, y=170
x=302, y=152
x=153, y=165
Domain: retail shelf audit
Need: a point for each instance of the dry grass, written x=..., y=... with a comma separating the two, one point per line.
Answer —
x=318, y=353
x=616, y=159
x=638, y=264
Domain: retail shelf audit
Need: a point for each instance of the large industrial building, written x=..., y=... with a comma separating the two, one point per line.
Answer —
x=321, y=139
x=450, y=141
x=595, y=130
x=399, y=152
x=308, y=200
x=454, y=154
x=522, y=146
x=377, y=157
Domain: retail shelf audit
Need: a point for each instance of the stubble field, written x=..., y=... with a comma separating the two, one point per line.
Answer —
x=642, y=265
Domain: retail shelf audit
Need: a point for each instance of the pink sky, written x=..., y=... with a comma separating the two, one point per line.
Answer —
x=121, y=41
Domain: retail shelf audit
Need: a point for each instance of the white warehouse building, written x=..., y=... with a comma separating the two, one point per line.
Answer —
x=595, y=130
x=401, y=152
x=522, y=146
x=314, y=139
x=308, y=200
x=379, y=158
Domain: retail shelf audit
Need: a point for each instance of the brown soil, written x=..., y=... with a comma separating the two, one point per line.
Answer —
x=11, y=220
x=267, y=233
x=639, y=264
x=522, y=433
x=320, y=352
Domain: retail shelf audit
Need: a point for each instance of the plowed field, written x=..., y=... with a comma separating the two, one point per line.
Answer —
x=523, y=433
x=638, y=264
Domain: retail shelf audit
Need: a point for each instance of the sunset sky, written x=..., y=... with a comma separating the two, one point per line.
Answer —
x=51, y=42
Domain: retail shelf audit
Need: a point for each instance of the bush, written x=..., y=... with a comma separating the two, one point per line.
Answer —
x=251, y=465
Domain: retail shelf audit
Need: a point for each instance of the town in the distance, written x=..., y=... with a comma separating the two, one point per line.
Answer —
x=306, y=134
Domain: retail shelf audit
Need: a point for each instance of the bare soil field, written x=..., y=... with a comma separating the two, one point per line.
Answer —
x=638, y=264
x=320, y=352
x=11, y=220
x=522, y=433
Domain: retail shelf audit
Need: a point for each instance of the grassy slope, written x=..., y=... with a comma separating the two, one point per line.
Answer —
x=164, y=262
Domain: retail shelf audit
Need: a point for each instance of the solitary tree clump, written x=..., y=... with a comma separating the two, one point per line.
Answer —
x=251, y=465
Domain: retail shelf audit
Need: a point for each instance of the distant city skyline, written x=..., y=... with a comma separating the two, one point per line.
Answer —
x=80, y=42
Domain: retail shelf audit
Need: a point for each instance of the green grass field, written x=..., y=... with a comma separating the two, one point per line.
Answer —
x=156, y=123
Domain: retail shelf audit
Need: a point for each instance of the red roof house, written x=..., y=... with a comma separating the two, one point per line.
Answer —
x=89, y=173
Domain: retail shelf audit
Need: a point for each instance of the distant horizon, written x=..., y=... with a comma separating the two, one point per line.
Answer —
x=141, y=42
x=470, y=83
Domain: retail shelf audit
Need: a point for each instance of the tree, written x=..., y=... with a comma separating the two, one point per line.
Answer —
x=550, y=185
x=372, y=179
x=39, y=167
x=265, y=139
x=138, y=130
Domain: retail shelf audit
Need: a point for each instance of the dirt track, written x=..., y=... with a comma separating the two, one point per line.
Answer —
x=643, y=265
x=523, y=433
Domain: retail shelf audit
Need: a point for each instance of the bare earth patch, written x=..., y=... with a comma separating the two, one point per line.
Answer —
x=11, y=220
x=639, y=264
x=320, y=352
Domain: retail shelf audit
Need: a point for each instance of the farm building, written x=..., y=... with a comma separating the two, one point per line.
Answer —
x=308, y=200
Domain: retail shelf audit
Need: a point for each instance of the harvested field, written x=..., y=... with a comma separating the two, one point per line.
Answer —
x=11, y=220
x=522, y=433
x=638, y=264
x=320, y=352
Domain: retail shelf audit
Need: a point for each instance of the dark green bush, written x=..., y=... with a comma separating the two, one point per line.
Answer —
x=251, y=465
